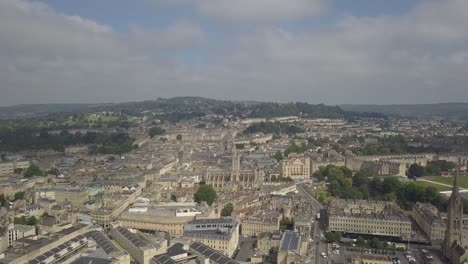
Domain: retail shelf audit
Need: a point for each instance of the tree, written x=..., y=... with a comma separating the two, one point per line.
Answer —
x=2, y=199
x=205, y=193
x=278, y=156
x=53, y=171
x=174, y=198
x=19, y=196
x=333, y=237
x=240, y=146
x=33, y=170
x=3, y=156
x=156, y=131
x=361, y=178
x=390, y=184
x=415, y=170
x=32, y=221
x=179, y=137
x=227, y=209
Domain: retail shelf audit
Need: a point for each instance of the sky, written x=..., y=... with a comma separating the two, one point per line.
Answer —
x=316, y=51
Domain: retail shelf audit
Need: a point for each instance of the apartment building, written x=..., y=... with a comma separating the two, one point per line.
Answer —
x=427, y=218
x=260, y=223
x=368, y=217
x=137, y=247
x=219, y=234
x=8, y=167
x=296, y=167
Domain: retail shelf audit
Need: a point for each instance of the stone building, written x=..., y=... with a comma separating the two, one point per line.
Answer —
x=427, y=218
x=137, y=247
x=296, y=167
x=219, y=234
x=220, y=176
x=260, y=223
x=368, y=217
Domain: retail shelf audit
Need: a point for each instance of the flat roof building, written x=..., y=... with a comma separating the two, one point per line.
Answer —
x=220, y=234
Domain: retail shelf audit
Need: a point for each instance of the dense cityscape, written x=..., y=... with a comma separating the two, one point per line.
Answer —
x=195, y=180
x=233, y=132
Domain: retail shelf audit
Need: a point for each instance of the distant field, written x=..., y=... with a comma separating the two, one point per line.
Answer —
x=463, y=180
x=440, y=188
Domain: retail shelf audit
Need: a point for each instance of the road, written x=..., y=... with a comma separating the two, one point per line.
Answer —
x=318, y=245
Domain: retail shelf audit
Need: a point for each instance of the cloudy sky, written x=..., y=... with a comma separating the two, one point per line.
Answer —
x=318, y=51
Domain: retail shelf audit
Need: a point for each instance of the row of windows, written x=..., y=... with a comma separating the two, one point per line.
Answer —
x=370, y=226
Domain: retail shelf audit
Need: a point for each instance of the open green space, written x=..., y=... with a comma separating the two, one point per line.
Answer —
x=440, y=188
x=463, y=180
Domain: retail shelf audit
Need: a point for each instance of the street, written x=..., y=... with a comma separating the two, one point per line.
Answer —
x=319, y=244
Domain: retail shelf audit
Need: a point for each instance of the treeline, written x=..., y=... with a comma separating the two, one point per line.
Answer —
x=267, y=110
x=363, y=186
x=115, y=143
x=432, y=168
x=311, y=143
x=274, y=128
x=390, y=145
x=21, y=139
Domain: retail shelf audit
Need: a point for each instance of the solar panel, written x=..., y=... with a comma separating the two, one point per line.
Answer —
x=290, y=241
x=212, y=254
x=163, y=259
x=103, y=241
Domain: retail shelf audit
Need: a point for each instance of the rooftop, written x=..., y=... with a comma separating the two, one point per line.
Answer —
x=211, y=254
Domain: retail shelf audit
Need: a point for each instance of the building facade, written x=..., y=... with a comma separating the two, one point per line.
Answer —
x=427, y=218
x=368, y=217
x=254, y=225
x=219, y=234
x=296, y=167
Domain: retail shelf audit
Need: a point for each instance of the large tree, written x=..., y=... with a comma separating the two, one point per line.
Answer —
x=205, y=193
x=33, y=170
x=415, y=170
x=156, y=131
x=227, y=209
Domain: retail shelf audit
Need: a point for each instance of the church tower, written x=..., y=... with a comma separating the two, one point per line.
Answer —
x=235, y=162
x=453, y=234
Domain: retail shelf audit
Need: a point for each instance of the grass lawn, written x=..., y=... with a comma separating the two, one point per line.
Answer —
x=463, y=180
x=439, y=188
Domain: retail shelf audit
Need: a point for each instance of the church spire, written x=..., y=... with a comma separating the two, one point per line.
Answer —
x=455, y=181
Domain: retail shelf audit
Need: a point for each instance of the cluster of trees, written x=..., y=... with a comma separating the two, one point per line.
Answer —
x=432, y=168
x=363, y=186
x=33, y=170
x=227, y=209
x=273, y=128
x=240, y=146
x=205, y=193
x=286, y=224
x=156, y=131
x=281, y=179
x=266, y=110
x=389, y=145
x=333, y=237
x=23, y=138
x=278, y=156
x=23, y=220
x=311, y=143
x=332, y=172
x=115, y=143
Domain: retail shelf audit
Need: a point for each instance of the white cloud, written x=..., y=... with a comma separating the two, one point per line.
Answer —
x=258, y=10
x=420, y=56
x=252, y=10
